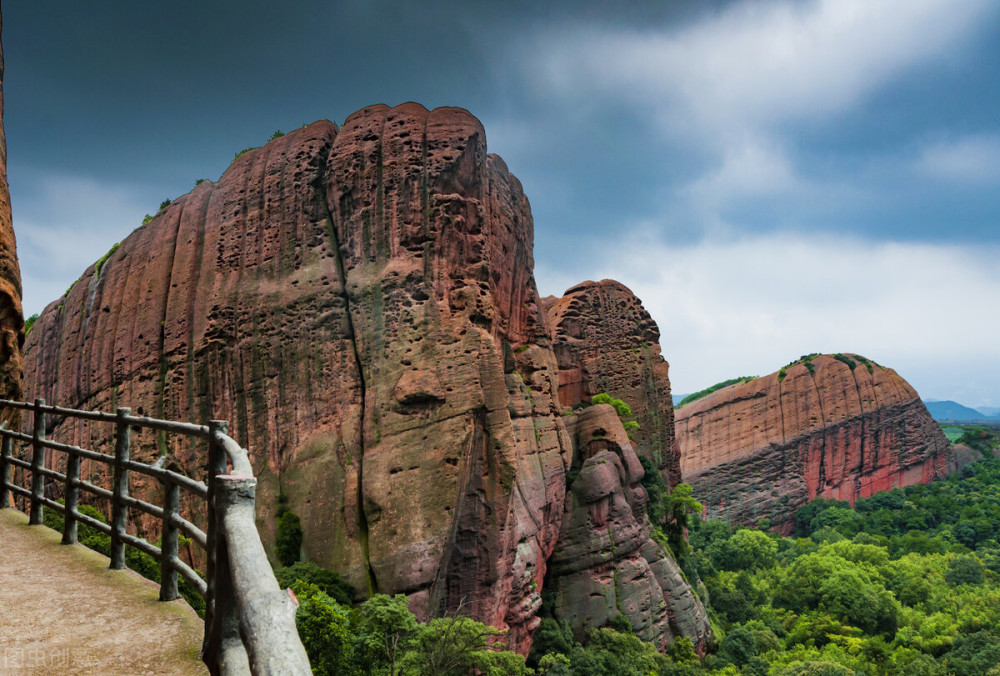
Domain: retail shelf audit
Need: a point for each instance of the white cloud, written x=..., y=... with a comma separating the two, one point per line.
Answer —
x=752, y=169
x=970, y=159
x=67, y=223
x=724, y=88
x=755, y=64
x=747, y=306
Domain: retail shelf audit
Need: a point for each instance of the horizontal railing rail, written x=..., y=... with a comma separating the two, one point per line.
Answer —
x=249, y=621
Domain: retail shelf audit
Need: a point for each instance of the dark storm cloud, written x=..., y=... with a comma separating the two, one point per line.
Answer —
x=646, y=134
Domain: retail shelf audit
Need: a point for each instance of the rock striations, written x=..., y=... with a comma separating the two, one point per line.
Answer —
x=605, y=562
x=605, y=341
x=826, y=426
x=360, y=303
x=11, y=319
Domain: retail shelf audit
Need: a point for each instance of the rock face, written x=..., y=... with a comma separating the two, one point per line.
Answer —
x=11, y=318
x=605, y=341
x=605, y=562
x=817, y=428
x=360, y=303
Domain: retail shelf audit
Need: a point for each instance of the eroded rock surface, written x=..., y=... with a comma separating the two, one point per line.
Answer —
x=360, y=303
x=605, y=341
x=346, y=298
x=11, y=318
x=605, y=562
x=764, y=448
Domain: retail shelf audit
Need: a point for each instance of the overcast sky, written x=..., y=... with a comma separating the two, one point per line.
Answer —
x=771, y=178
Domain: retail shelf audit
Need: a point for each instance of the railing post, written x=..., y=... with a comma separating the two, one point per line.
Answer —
x=222, y=645
x=37, y=464
x=119, y=489
x=6, y=450
x=168, y=543
x=267, y=614
x=72, y=498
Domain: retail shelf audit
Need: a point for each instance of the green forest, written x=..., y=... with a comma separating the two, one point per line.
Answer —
x=905, y=582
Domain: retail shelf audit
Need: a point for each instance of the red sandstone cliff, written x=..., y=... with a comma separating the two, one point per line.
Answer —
x=11, y=319
x=764, y=448
x=605, y=341
x=605, y=561
x=360, y=304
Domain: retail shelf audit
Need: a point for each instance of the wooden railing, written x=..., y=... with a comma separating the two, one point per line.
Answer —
x=249, y=620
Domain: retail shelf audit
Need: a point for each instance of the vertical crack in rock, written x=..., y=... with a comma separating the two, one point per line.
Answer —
x=331, y=230
x=864, y=436
x=821, y=473
x=161, y=436
x=781, y=410
x=193, y=379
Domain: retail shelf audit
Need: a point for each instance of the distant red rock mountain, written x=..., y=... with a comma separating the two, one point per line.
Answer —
x=830, y=426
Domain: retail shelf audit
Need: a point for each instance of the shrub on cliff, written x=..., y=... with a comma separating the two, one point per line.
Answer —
x=851, y=364
x=709, y=390
x=104, y=259
x=679, y=505
x=288, y=543
x=330, y=582
x=623, y=410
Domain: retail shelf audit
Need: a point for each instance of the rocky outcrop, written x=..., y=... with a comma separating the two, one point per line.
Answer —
x=605, y=562
x=11, y=318
x=826, y=426
x=605, y=341
x=360, y=303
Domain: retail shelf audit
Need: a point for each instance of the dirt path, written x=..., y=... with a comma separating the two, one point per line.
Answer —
x=63, y=612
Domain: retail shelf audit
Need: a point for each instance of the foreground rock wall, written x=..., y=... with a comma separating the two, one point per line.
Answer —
x=360, y=304
x=11, y=318
x=764, y=448
x=605, y=341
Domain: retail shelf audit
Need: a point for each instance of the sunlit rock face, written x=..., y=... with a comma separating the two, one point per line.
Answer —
x=763, y=448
